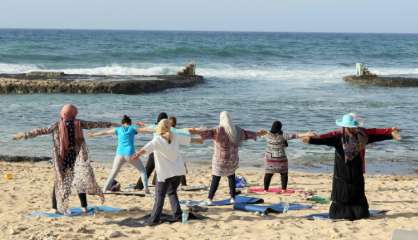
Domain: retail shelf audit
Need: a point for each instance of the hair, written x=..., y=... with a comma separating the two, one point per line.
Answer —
x=225, y=121
x=276, y=127
x=173, y=121
x=126, y=120
x=161, y=116
x=163, y=127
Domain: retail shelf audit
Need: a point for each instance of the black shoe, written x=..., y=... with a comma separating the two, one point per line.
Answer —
x=139, y=186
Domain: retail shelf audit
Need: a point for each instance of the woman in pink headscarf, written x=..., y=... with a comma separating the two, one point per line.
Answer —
x=72, y=168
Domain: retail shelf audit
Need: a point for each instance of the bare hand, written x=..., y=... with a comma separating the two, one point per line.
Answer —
x=90, y=134
x=311, y=134
x=19, y=136
x=140, y=123
x=395, y=134
x=306, y=140
x=135, y=157
x=261, y=132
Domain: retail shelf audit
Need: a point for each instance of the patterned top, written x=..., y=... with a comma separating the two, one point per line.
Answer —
x=225, y=156
x=76, y=172
x=275, y=156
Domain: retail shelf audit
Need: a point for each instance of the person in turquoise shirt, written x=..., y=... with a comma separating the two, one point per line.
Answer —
x=125, y=150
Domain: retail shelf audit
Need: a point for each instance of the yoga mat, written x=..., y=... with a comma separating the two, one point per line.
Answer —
x=194, y=188
x=139, y=194
x=77, y=212
x=239, y=199
x=271, y=190
x=325, y=216
x=275, y=208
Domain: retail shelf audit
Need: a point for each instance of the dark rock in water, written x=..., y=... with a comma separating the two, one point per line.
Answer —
x=58, y=82
x=7, y=158
x=402, y=80
x=44, y=74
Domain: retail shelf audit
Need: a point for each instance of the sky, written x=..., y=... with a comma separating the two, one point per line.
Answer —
x=391, y=16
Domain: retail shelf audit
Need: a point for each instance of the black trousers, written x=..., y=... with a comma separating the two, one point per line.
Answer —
x=183, y=180
x=81, y=196
x=149, y=168
x=215, y=184
x=169, y=187
x=283, y=177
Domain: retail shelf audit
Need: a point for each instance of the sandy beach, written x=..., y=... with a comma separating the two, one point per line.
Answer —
x=30, y=190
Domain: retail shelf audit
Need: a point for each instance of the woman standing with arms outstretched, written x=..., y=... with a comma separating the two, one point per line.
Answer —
x=124, y=151
x=169, y=166
x=227, y=138
x=348, y=195
x=70, y=158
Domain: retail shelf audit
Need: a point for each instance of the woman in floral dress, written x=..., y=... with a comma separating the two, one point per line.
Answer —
x=72, y=169
x=227, y=138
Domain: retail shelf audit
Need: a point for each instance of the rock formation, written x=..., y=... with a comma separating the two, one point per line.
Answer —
x=59, y=82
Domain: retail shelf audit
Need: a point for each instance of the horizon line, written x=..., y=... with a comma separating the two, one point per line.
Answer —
x=208, y=31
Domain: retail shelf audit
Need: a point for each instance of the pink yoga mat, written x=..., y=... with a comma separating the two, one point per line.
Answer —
x=271, y=190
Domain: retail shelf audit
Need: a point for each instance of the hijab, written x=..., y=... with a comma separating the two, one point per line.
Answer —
x=68, y=113
x=232, y=131
x=276, y=127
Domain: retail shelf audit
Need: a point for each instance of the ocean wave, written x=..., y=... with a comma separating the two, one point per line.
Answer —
x=217, y=71
x=10, y=68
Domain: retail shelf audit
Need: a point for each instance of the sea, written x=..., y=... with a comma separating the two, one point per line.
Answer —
x=259, y=77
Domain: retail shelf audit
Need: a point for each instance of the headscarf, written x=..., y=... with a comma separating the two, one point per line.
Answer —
x=68, y=113
x=276, y=127
x=353, y=144
x=230, y=129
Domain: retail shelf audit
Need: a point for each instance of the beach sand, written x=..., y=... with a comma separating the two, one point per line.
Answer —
x=31, y=186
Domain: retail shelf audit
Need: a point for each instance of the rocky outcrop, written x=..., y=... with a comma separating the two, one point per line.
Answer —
x=403, y=80
x=59, y=82
x=7, y=158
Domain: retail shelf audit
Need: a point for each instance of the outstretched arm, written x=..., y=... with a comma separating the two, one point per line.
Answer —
x=246, y=134
x=138, y=154
x=35, y=132
x=381, y=134
x=196, y=141
x=92, y=124
x=102, y=133
x=148, y=148
x=145, y=130
x=328, y=140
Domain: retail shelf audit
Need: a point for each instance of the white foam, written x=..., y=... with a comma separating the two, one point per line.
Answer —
x=17, y=68
x=222, y=71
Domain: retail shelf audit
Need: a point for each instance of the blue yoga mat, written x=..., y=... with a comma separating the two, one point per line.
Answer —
x=325, y=216
x=77, y=212
x=264, y=209
x=239, y=200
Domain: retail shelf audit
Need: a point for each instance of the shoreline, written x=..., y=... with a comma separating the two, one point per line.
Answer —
x=374, y=168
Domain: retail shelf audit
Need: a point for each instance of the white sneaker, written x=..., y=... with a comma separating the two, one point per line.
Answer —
x=232, y=201
x=84, y=210
x=208, y=202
